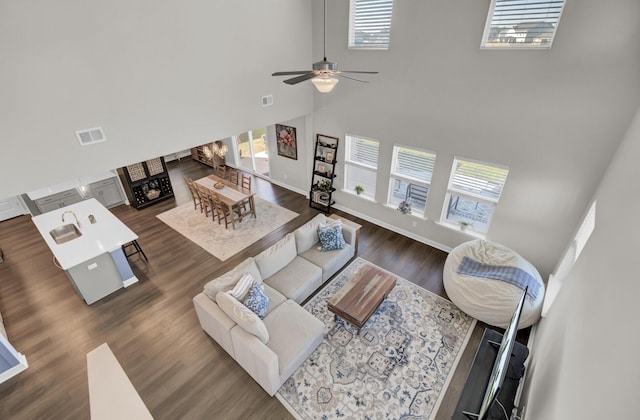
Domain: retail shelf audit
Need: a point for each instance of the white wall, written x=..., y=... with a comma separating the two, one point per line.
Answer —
x=554, y=117
x=584, y=360
x=292, y=173
x=163, y=76
x=159, y=76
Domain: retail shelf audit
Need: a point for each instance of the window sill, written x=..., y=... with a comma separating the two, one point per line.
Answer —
x=468, y=231
x=360, y=196
x=414, y=215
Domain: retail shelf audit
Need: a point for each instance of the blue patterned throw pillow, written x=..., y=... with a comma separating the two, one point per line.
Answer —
x=257, y=300
x=331, y=237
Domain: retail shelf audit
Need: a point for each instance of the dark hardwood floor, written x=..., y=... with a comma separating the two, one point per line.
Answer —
x=151, y=327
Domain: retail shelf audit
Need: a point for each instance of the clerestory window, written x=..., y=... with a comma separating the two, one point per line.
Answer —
x=522, y=23
x=370, y=24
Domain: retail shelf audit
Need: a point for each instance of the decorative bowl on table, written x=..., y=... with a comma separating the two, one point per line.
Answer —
x=218, y=185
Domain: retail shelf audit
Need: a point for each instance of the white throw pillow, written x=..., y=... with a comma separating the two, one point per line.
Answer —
x=243, y=316
x=243, y=286
x=277, y=256
x=229, y=279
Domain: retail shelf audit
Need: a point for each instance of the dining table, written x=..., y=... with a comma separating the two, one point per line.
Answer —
x=230, y=194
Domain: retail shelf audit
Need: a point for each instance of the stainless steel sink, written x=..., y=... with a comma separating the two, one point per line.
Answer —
x=65, y=233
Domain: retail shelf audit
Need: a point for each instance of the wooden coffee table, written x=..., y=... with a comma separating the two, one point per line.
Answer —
x=358, y=299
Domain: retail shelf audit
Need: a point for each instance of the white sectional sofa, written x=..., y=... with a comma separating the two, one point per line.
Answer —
x=271, y=349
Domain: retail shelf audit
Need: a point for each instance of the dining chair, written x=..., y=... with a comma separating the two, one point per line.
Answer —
x=206, y=201
x=194, y=193
x=221, y=171
x=233, y=176
x=246, y=181
x=224, y=212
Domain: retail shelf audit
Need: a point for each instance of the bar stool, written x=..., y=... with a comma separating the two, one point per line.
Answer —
x=136, y=249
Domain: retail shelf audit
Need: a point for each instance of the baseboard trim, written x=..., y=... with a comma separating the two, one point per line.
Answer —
x=373, y=220
x=394, y=229
x=288, y=187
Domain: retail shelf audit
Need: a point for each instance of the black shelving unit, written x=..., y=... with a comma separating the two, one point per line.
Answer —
x=146, y=183
x=324, y=173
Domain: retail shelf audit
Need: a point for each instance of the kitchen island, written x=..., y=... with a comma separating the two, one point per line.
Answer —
x=90, y=248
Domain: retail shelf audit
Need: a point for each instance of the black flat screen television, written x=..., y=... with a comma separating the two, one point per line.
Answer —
x=501, y=364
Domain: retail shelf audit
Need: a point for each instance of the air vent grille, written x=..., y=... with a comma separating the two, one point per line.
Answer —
x=90, y=136
x=267, y=100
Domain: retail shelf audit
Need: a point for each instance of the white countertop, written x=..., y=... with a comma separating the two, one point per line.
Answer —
x=106, y=235
x=69, y=185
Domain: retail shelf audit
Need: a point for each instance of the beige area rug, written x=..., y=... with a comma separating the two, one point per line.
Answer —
x=398, y=367
x=224, y=243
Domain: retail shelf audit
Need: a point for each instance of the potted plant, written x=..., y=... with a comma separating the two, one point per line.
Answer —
x=325, y=186
x=464, y=225
x=359, y=189
x=404, y=207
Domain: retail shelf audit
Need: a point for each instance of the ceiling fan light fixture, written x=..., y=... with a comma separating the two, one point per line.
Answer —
x=324, y=83
x=322, y=75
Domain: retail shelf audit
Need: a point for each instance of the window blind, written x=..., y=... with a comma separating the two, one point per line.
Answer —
x=413, y=163
x=362, y=151
x=479, y=179
x=370, y=24
x=522, y=23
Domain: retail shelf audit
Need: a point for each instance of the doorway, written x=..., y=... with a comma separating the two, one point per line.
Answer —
x=253, y=154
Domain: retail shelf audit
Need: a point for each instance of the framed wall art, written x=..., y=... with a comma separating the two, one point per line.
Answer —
x=287, y=143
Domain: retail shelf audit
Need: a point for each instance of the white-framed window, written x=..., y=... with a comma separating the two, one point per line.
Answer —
x=361, y=165
x=522, y=23
x=411, y=171
x=370, y=24
x=473, y=193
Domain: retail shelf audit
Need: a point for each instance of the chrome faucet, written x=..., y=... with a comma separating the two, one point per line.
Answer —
x=74, y=216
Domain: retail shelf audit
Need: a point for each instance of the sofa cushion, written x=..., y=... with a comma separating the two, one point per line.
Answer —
x=243, y=316
x=330, y=236
x=277, y=256
x=257, y=300
x=228, y=280
x=329, y=261
x=298, y=280
x=307, y=234
x=275, y=298
x=295, y=334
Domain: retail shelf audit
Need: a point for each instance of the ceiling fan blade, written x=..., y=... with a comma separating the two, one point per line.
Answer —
x=355, y=71
x=353, y=78
x=290, y=73
x=294, y=80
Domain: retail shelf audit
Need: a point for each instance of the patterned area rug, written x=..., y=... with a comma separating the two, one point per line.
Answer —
x=224, y=243
x=398, y=367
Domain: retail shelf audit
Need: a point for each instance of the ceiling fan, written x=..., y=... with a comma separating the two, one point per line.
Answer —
x=323, y=72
